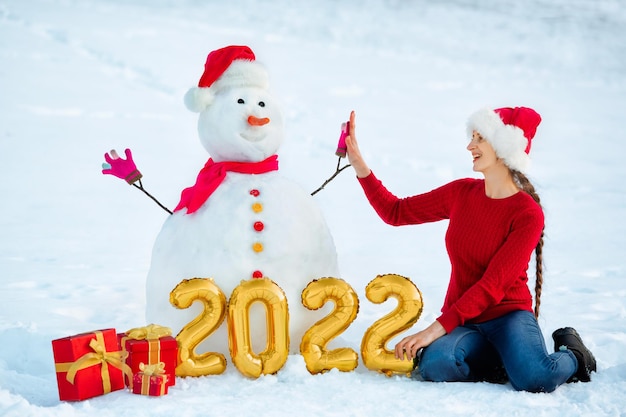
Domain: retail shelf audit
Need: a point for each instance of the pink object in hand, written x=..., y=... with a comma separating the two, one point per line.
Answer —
x=341, y=146
x=121, y=168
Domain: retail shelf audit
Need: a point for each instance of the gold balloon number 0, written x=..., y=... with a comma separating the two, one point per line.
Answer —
x=277, y=321
x=313, y=347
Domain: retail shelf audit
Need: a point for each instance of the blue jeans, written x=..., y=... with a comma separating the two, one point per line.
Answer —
x=514, y=341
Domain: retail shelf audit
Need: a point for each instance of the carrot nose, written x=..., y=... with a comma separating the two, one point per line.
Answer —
x=257, y=121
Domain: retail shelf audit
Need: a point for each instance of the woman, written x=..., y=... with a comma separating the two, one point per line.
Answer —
x=487, y=330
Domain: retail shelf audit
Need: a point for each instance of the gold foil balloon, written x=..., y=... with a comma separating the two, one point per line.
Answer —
x=274, y=356
x=186, y=292
x=376, y=356
x=313, y=347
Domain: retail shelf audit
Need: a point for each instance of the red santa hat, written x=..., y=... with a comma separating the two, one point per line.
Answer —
x=232, y=66
x=509, y=130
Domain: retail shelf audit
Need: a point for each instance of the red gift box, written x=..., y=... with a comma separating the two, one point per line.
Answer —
x=151, y=380
x=88, y=365
x=150, y=345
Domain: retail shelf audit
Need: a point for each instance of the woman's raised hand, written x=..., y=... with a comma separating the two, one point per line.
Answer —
x=354, y=154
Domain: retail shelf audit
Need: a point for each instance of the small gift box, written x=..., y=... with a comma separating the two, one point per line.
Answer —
x=150, y=345
x=88, y=365
x=151, y=380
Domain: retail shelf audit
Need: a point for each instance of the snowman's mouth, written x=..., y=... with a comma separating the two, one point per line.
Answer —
x=253, y=136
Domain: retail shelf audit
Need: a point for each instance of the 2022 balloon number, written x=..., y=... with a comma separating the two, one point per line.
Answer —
x=313, y=346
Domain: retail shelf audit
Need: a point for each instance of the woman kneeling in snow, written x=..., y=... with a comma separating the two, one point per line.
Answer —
x=487, y=330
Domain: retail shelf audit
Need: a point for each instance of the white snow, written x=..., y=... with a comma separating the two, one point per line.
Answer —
x=78, y=78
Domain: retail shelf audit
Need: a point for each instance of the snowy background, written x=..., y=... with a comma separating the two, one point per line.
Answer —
x=78, y=78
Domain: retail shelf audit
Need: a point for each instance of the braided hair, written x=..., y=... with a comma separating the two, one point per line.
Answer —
x=524, y=183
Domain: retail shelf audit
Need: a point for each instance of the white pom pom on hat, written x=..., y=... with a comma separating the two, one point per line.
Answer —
x=509, y=130
x=231, y=66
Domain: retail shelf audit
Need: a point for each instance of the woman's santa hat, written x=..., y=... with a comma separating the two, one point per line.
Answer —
x=232, y=66
x=509, y=130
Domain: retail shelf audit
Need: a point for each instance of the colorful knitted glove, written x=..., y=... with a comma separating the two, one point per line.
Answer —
x=121, y=168
x=341, y=145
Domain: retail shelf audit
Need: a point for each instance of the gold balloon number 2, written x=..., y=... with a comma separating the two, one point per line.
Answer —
x=186, y=292
x=375, y=355
x=313, y=346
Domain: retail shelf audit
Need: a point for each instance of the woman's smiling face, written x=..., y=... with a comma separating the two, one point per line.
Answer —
x=483, y=154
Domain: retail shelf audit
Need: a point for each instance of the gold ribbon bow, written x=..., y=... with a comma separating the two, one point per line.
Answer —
x=153, y=369
x=151, y=331
x=98, y=356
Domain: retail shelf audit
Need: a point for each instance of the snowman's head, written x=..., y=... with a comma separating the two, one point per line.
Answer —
x=242, y=124
x=239, y=119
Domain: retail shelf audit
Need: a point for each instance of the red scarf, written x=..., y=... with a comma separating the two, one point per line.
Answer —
x=212, y=175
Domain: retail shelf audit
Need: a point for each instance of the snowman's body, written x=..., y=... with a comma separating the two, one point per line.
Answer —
x=261, y=223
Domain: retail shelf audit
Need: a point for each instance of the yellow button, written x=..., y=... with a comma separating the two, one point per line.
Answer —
x=257, y=247
x=257, y=207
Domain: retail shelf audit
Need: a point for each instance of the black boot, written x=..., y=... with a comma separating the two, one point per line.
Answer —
x=568, y=339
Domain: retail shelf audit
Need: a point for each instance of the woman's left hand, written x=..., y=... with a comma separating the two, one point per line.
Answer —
x=410, y=345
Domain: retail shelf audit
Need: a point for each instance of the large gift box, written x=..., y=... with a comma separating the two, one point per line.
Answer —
x=151, y=345
x=88, y=365
x=151, y=380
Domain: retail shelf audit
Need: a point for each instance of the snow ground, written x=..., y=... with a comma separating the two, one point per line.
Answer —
x=81, y=77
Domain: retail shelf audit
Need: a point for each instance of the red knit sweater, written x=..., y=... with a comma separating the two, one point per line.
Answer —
x=489, y=242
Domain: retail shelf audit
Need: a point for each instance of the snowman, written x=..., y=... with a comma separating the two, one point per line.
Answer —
x=242, y=219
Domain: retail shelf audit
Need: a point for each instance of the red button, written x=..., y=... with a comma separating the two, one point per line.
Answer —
x=259, y=226
x=255, y=192
x=257, y=274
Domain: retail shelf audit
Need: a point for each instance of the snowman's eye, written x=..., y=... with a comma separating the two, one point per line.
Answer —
x=240, y=101
x=261, y=104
